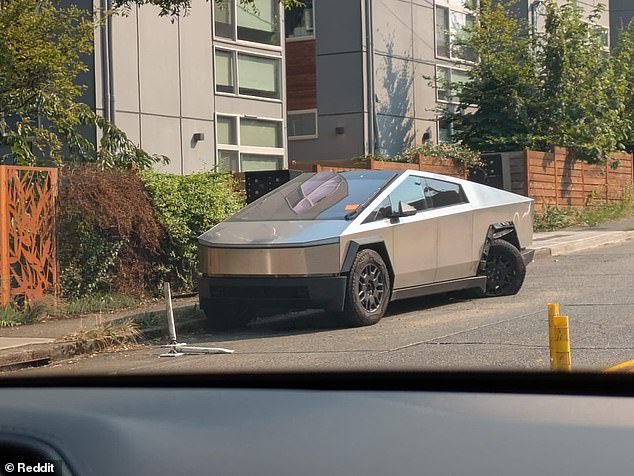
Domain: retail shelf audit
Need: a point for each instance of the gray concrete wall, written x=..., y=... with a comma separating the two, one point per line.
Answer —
x=340, y=69
x=164, y=86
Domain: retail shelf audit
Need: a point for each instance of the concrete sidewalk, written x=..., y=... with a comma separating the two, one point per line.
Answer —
x=43, y=341
x=579, y=237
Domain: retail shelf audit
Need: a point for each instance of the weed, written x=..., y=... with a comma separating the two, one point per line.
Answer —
x=104, y=336
x=11, y=316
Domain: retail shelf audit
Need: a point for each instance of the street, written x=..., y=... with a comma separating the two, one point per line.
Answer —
x=593, y=287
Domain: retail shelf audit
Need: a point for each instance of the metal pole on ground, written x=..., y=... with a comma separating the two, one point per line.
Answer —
x=177, y=349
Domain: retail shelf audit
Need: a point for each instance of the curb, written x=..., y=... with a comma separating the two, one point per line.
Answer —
x=557, y=249
x=36, y=355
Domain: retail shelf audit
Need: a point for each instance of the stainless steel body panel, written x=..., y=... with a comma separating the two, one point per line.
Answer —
x=273, y=233
x=304, y=261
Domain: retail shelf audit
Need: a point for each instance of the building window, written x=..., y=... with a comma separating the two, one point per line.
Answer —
x=448, y=81
x=246, y=144
x=260, y=133
x=225, y=72
x=252, y=162
x=299, y=21
x=302, y=124
x=229, y=160
x=259, y=22
x=227, y=130
x=445, y=130
x=453, y=20
x=258, y=76
x=224, y=18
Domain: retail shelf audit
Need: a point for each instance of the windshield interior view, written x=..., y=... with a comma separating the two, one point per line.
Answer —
x=308, y=237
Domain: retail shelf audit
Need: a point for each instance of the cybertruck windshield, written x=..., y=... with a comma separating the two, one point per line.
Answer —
x=318, y=196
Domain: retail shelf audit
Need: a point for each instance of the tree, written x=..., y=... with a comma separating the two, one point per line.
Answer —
x=495, y=103
x=623, y=64
x=41, y=47
x=557, y=87
x=181, y=7
x=580, y=104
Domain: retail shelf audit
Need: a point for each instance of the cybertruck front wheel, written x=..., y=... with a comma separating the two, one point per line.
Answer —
x=368, y=290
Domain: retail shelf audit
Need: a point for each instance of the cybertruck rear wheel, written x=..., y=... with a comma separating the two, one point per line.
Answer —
x=505, y=269
x=224, y=317
x=368, y=290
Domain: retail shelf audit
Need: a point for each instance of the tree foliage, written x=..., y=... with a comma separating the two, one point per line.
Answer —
x=181, y=7
x=556, y=87
x=41, y=117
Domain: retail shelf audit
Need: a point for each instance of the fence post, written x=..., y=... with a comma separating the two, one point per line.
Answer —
x=555, y=155
x=5, y=270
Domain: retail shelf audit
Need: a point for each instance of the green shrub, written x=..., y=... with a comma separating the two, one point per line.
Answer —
x=456, y=152
x=553, y=218
x=186, y=207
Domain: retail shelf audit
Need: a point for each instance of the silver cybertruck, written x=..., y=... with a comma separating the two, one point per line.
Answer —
x=352, y=242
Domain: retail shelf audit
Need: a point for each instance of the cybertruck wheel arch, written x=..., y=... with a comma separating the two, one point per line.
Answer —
x=376, y=244
x=498, y=231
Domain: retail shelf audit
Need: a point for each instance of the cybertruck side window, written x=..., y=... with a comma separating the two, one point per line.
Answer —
x=442, y=194
x=411, y=193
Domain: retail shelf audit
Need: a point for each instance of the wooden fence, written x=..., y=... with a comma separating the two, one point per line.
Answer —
x=427, y=164
x=28, y=258
x=556, y=179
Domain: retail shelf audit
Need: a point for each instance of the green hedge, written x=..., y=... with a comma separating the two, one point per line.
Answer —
x=127, y=232
x=186, y=207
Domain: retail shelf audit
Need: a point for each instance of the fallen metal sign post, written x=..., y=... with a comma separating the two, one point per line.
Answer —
x=177, y=349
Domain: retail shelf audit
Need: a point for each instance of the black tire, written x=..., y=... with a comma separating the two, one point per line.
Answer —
x=223, y=317
x=505, y=269
x=368, y=290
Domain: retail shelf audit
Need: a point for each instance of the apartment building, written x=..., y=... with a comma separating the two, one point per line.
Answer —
x=206, y=89
x=360, y=73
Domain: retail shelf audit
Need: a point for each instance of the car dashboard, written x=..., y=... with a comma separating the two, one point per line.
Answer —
x=345, y=426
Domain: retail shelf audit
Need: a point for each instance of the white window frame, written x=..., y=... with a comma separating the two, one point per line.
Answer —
x=236, y=71
x=451, y=69
x=304, y=111
x=452, y=8
x=240, y=149
x=303, y=38
x=252, y=44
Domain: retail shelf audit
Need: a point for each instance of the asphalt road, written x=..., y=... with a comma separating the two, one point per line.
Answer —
x=593, y=287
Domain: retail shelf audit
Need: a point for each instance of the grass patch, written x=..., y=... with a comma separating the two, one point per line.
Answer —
x=94, y=303
x=104, y=336
x=159, y=319
x=11, y=316
x=554, y=218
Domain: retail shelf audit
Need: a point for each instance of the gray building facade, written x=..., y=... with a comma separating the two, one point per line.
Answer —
x=376, y=64
x=206, y=89
x=621, y=14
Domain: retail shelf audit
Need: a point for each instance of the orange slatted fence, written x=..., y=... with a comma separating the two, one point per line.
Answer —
x=28, y=257
x=556, y=179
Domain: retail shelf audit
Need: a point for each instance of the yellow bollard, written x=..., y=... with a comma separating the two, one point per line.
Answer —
x=559, y=336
